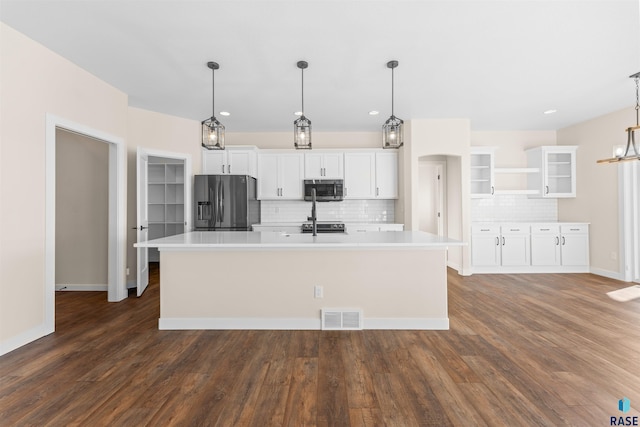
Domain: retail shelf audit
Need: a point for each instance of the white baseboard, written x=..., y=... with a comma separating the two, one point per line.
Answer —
x=23, y=339
x=295, y=323
x=607, y=273
x=83, y=287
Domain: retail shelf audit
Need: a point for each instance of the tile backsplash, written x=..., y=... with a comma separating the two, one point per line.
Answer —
x=347, y=211
x=516, y=208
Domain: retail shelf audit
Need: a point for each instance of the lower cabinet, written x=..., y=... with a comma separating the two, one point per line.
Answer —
x=530, y=248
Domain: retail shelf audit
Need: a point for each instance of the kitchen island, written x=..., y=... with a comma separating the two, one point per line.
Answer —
x=268, y=280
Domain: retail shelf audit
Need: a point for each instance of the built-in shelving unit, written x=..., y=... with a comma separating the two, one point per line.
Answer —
x=165, y=202
x=482, y=172
x=516, y=171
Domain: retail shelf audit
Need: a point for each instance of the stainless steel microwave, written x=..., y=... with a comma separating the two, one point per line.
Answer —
x=327, y=190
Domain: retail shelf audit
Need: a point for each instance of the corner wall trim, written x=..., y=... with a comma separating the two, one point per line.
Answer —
x=606, y=273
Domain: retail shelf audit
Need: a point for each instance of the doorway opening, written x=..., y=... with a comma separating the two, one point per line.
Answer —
x=163, y=188
x=431, y=204
x=116, y=206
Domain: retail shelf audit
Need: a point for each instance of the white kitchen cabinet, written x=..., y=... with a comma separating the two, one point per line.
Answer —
x=515, y=245
x=530, y=248
x=545, y=245
x=371, y=174
x=386, y=175
x=557, y=171
x=280, y=176
x=574, y=244
x=493, y=245
x=482, y=172
x=485, y=245
x=360, y=175
x=231, y=161
x=324, y=165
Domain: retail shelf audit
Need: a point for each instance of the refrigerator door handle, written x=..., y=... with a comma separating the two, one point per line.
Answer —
x=219, y=219
x=222, y=204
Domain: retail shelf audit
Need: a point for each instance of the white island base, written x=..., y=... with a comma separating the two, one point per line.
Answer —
x=397, y=283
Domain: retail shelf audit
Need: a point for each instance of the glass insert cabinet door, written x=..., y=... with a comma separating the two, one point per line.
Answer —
x=559, y=174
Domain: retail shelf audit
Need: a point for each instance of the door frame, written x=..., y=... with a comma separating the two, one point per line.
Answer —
x=186, y=158
x=117, y=240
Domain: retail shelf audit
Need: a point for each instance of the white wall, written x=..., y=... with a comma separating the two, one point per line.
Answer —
x=82, y=212
x=36, y=81
x=597, y=186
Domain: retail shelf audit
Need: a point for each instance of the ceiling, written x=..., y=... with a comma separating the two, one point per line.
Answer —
x=499, y=63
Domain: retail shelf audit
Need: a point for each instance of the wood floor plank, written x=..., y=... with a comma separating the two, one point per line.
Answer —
x=522, y=350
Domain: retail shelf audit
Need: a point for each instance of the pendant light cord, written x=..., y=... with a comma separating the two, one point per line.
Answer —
x=302, y=69
x=392, y=86
x=637, y=79
x=213, y=92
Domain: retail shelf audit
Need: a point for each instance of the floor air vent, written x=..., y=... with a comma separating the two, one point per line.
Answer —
x=341, y=319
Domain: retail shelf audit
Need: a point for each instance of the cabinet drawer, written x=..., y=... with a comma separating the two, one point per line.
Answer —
x=485, y=229
x=515, y=229
x=574, y=229
x=545, y=229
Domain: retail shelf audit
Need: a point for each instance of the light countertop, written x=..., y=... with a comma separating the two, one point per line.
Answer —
x=224, y=240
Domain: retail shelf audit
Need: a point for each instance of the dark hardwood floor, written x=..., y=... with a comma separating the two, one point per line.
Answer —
x=523, y=350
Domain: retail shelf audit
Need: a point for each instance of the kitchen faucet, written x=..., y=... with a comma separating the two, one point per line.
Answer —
x=313, y=218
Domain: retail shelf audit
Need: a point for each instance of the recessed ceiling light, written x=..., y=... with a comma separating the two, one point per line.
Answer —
x=297, y=113
x=550, y=111
x=374, y=113
x=225, y=113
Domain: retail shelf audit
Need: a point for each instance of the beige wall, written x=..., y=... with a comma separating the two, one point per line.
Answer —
x=82, y=215
x=597, y=185
x=510, y=152
x=36, y=81
x=433, y=137
x=320, y=139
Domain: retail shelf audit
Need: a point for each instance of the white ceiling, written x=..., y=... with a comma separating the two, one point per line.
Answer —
x=499, y=63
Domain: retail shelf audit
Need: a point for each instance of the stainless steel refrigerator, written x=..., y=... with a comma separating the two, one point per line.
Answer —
x=225, y=202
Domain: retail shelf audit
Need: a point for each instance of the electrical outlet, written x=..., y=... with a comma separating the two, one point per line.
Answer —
x=127, y=271
x=614, y=255
x=318, y=292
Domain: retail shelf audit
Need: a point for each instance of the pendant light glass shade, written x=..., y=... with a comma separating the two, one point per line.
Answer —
x=393, y=128
x=212, y=129
x=302, y=126
x=632, y=151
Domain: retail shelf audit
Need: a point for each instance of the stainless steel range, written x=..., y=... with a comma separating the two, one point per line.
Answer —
x=324, y=227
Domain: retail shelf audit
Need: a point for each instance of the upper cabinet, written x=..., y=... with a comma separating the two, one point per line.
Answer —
x=324, y=165
x=230, y=161
x=371, y=174
x=387, y=175
x=482, y=172
x=280, y=175
x=557, y=171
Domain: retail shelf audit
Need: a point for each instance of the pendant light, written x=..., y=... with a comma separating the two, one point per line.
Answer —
x=392, y=129
x=302, y=126
x=622, y=155
x=212, y=129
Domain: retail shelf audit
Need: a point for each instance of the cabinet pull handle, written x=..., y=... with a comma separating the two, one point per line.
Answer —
x=557, y=240
x=222, y=168
x=503, y=241
x=228, y=168
x=544, y=229
x=546, y=189
x=377, y=191
x=485, y=229
x=563, y=241
x=574, y=229
x=492, y=190
x=497, y=241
